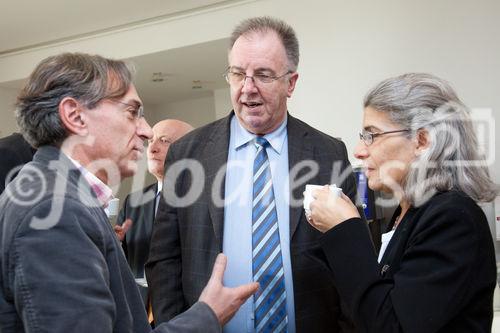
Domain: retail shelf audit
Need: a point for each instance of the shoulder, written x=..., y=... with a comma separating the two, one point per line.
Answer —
x=455, y=204
x=325, y=147
x=212, y=136
x=297, y=127
x=452, y=212
x=203, y=133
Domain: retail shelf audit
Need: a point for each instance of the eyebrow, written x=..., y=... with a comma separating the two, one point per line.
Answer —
x=133, y=101
x=257, y=70
x=372, y=129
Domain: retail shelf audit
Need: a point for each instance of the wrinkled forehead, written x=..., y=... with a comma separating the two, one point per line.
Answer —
x=265, y=45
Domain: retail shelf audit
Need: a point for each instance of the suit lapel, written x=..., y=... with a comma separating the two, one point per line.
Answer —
x=299, y=149
x=216, y=158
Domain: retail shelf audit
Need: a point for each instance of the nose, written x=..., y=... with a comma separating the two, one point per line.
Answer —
x=361, y=150
x=153, y=146
x=143, y=130
x=248, y=85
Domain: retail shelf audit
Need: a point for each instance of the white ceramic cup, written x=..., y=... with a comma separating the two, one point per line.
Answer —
x=113, y=207
x=308, y=198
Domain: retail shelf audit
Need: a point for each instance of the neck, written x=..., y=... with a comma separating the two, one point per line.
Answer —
x=405, y=205
x=404, y=208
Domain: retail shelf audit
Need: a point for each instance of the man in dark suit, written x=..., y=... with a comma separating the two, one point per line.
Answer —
x=139, y=208
x=15, y=152
x=61, y=266
x=218, y=201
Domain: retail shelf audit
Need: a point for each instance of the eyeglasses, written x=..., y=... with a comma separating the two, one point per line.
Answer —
x=368, y=137
x=238, y=78
x=135, y=111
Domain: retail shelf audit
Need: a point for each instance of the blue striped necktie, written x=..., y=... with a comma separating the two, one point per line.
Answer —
x=267, y=266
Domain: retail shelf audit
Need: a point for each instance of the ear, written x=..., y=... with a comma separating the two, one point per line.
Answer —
x=423, y=141
x=291, y=83
x=70, y=111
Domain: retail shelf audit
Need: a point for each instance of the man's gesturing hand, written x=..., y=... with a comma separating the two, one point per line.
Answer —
x=225, y=301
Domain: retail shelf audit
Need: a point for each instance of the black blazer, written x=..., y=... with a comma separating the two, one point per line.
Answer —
x=186, y=240
x=437, y=274
x=14, y=151
x=140, y=208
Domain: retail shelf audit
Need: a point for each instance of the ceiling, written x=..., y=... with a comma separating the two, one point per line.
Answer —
x=188, y=72
x=184, y=74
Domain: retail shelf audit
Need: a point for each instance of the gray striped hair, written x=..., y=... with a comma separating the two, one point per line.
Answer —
x=87, y=78
x=265, y=23
x=452, y=162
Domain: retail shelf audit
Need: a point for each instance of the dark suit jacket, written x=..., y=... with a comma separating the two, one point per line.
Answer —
x=69, y=274
x=437, y=274
x=187, y=239
x=140, y=208
x=14, y=151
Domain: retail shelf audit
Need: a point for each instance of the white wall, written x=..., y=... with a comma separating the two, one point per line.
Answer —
x=7, y=119
x=197, y=112
x=222, y=100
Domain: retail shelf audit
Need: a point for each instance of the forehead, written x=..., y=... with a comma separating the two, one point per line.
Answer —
x=258, y=50
x=163, y=129
x=131, y=95
x=374, y=119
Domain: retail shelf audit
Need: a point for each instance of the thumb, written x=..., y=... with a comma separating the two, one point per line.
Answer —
x=246, y=290
x=345, y=197
x=219, y=268
x=126, y=225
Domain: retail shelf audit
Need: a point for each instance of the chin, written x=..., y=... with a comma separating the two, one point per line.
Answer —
x=375, y=185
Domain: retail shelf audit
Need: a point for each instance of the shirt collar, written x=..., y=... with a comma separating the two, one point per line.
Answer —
x=102, y=191
x=159, y=187
x=242, y=137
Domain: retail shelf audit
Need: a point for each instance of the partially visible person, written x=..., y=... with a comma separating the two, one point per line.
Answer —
x=139, y=208
x=15, y=152
x=436, y=271
x=61, y=265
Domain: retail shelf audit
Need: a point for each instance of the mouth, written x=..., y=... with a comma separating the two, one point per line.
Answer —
x=251, y=105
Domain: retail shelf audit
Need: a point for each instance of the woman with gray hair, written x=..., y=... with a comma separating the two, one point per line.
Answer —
x=436, y=271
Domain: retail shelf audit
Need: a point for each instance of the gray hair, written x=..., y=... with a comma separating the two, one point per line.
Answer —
x=264, y=24
x=452, y=162
x=86, y=78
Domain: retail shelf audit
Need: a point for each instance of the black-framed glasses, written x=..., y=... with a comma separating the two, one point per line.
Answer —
x=239, y=78
x=136, y=111
x=368, y=137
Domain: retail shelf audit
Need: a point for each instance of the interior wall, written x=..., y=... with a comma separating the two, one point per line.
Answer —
x=197, y=112
x=7, y=119
x=222, y=100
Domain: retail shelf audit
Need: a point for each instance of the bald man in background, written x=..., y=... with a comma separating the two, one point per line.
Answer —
x=135, y=221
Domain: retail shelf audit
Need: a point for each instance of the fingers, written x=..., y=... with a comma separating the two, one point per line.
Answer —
x=246, y=290
x=126, y=225
x=345, y=197
x=219, y=267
